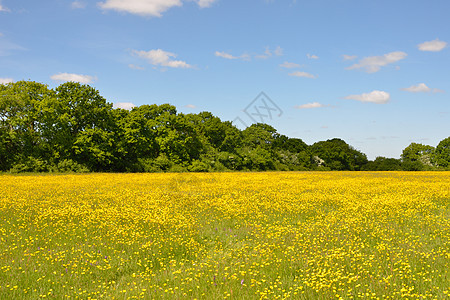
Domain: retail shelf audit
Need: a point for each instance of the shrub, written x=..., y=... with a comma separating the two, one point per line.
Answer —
x=68, y=165
x=30, y=164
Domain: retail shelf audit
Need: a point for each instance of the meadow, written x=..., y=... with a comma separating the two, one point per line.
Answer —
x=277, y=235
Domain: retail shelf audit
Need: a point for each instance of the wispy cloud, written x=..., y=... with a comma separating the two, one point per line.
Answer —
x=190, y=106
x=225, y=55
x=6, y=80
x=309, y=105
x=78, y=5
x=302, y=74
x=148, y=8
x=312, y=56
x=349, y=57
x=421, y=88
x=3, y=8
x=135, y=67
x=64, y=77
x=124, y=105
x=269, y=53
x=153, y=8
x=7, y=47
x=373, y=64
x=433, y=46
x=205, y=3
x=378, y=97
x=290, y=65
x=278, y=51
x=162, y=58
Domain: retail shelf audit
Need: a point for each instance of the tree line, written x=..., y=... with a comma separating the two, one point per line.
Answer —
x=72, y=128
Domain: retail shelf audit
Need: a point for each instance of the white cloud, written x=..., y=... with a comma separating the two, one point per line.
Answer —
x=268, y=53
x=6, y=80
x=153, y=8
x=373, y=64
x=421, y=88
x=310, y=105
x=205, y=3
x=312, y=56
x=190, y=106
x=162, y=58
x=85, y=79
x=290, y=65
x=349, y=57
x=124, y=105
x=2, y=8
x=135, y=67
x=225, y=55
x=434, y=46
x=302, y=74
x=78, y=5
x=1, y=34
x=378, y=97
x=278, y=51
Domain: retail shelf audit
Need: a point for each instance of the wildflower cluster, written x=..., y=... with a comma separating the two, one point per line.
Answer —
x=319, y=235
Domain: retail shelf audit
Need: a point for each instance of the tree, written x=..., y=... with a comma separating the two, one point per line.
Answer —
x=20, y=122
x=139, y=131
x=209, y=127
x=292, y=145
x=259, y=134
x=383, y=164
x=338, y=155
x=80, y=125
x=416, y=154
x=442, y=153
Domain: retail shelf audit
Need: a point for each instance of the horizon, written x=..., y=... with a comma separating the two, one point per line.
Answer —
x=373, y=75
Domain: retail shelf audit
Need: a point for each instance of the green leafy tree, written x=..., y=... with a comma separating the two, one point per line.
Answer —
x=442, y=153
x=233, y=139
x=178, y=138
x=259, y=134
x=292, y=145
x=338, y=155
x=209, y=127
x=383, y=164
x=20, y=121
x=80, y=126
x=417, y=154
x=139, y=129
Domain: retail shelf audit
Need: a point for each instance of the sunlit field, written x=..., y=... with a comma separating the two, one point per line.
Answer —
x=334, y=235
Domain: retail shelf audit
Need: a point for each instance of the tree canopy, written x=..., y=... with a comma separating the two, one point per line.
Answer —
x=73, y=128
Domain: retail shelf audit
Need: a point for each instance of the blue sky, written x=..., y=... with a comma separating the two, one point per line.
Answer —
x=374, y=73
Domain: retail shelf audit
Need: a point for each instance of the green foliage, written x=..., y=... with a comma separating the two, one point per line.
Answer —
x=410, y=165
x=338, y=155
x=417, y=157
x=72, y=128
x=30, y=164
x=383, y=164
x=442, y=153
x=259, y=135
x=198, y=166
x=69, y=166
x=160, y=164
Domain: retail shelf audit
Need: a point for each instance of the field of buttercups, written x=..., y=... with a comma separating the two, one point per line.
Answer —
x=312, y=235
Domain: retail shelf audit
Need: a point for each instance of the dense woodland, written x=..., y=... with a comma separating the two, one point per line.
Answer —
x=72, y=128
